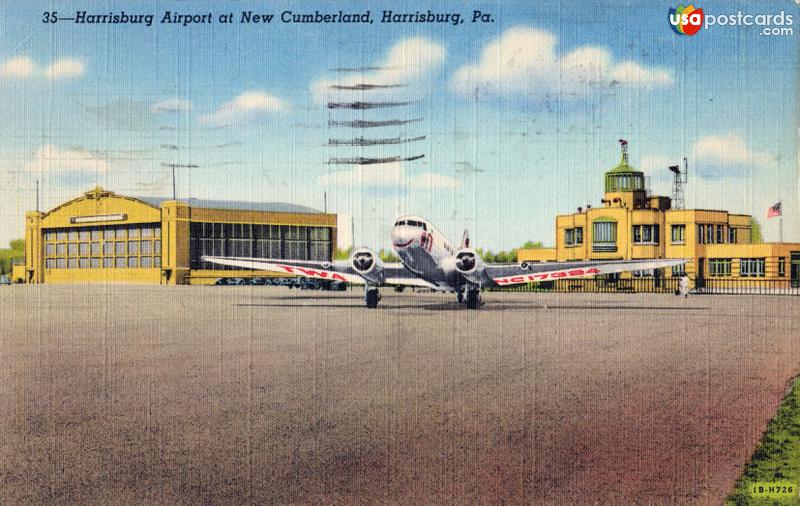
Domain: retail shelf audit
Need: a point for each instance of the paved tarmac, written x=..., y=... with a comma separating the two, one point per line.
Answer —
x=262, y=395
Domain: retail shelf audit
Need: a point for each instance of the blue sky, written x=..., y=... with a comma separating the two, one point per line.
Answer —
x=521, y=115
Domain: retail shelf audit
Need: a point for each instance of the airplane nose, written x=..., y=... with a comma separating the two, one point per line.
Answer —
x=402, y=236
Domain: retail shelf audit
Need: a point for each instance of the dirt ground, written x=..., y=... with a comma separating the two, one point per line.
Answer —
x=236, y=395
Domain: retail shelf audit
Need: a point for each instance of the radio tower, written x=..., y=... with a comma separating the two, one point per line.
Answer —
x=678, y=182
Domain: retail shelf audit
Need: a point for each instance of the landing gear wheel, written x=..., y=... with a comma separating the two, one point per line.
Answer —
x=473, y=299
x=460, y=297
x=372, y=297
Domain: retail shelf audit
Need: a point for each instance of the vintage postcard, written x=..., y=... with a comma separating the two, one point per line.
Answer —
x=407, y=252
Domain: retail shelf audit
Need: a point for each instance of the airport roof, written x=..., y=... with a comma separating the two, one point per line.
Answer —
x=238, y=205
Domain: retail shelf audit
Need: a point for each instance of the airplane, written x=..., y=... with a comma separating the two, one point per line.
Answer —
x=427, y=259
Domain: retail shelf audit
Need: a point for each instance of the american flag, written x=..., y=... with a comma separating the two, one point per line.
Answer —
x=774, y=211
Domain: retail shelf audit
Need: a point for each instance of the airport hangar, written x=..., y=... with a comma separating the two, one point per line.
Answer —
x=105, y=237
x=633, y=224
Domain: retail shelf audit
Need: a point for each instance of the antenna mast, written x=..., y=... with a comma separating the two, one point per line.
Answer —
x=679, y=181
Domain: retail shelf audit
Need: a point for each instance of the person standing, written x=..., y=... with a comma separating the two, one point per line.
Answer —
x=683, y=286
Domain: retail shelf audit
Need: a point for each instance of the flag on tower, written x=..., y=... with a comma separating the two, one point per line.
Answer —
x=774, y=211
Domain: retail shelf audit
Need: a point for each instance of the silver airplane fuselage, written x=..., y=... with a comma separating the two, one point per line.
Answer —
x=425, y=251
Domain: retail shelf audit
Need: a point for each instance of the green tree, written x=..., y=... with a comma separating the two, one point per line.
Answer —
x=343, y=254
x=755, y=231
x=15, y=251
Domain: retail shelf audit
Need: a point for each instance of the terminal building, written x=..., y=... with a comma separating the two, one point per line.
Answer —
x=632, y=224
x=102, y=237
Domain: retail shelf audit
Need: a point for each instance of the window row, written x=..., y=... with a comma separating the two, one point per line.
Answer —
x=75, y=234
x=715, y=234
x=748, y=267
x=203, y=230
x=133, y=262
x=255, y=248
x=105, y=248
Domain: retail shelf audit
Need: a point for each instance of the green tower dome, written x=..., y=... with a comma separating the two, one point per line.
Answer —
x=623, y=177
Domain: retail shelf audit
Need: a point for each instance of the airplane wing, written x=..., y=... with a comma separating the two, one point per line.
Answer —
x=338, y=270
x=526, y=272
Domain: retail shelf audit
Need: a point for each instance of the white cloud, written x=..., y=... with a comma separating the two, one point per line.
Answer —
x=171, y=105
x=18, y=67
x=245, y=106
x=387, y=177
x=64, y=68
x=50, y=159
x=712, y=157
x=729, y=149
x=408, y=60
x=524, y=61
x=22, y=67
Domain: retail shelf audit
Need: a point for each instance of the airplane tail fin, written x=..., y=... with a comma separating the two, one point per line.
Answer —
x=465, y=239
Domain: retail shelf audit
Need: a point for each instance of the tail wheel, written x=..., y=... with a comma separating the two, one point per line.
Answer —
x=372, y=297
x=473, y=299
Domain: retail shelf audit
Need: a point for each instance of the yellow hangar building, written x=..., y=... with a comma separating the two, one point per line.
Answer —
x=632, y=224
x=103, y=237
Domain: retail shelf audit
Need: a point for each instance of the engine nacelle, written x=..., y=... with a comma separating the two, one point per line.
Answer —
x=470, y=265
x=368, y=265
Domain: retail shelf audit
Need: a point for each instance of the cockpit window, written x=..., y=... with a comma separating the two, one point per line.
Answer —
x=412, y=223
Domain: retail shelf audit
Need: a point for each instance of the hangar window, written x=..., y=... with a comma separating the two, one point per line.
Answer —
x=147, y=262
x=781, y=267
x=120, y=262
x=731, y=235
x=61, y=263
x=50, y=263
x=254, y=240
x=72, y=263
x=103, y=244
x=678, y=270
x=720, y=234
